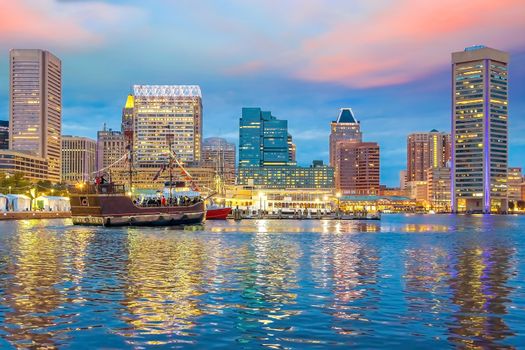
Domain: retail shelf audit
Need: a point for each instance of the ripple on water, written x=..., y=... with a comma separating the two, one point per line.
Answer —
x=406, y=281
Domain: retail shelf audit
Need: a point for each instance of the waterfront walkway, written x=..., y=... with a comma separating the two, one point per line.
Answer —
x=26, y=215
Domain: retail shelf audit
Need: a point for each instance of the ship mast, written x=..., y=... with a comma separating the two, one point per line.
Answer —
x=129, y=137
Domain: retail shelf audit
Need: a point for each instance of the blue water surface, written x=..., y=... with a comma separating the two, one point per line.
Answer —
x=407, y=281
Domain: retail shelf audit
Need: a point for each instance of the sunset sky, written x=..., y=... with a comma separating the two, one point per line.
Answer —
x=303, y=60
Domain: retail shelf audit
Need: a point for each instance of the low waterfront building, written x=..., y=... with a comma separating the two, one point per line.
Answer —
x=34, y=168
x=78, y=159
x=392, y=191
x=288, y=177
x=272, y=200
x=372, y=203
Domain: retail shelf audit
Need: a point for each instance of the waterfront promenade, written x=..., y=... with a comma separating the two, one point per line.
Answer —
x=27, y=215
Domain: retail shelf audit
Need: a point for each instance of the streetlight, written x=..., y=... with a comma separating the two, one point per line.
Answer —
x=338, y=195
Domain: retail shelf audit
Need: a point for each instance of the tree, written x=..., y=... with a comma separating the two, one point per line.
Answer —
x=14, y=183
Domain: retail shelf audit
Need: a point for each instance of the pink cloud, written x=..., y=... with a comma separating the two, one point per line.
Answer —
x=50, y=24
x=408, y=39
x=21, y=22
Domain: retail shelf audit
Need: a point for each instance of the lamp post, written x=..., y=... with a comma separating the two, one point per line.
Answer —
x=338, y=195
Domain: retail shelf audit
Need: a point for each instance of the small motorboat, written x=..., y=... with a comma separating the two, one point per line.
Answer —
x=217, y=213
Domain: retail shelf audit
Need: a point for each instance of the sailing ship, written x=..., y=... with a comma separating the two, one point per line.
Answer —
x=108, y=204
x=214, y=211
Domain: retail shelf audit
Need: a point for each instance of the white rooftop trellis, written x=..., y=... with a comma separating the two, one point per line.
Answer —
x=167, y=90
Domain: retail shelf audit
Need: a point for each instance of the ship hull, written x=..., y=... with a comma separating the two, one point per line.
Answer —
x=218, y=214
x=119, y=210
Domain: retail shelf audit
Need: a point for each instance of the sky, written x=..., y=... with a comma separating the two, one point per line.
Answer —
x=389, y=60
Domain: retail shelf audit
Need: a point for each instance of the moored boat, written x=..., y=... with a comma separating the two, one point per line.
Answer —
x=217, y=213
x=109, y=205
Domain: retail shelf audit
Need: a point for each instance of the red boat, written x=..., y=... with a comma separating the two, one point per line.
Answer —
x=218, y=213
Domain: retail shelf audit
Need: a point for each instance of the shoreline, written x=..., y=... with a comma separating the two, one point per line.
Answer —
x=28, y=215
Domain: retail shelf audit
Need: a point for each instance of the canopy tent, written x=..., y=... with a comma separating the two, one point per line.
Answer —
x=53, y=203
x=3, y=203
x=18, y=202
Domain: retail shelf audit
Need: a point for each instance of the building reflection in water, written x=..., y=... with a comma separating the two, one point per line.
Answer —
x=480, y=291
x=166, y=275
x=268, y=285
x=349, y=269
x=30, y=293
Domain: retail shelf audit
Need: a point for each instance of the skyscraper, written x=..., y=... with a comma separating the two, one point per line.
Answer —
x=426, y=150
x=4, y=134
x=219, y=154
x=357, y=167
x=35, y=106
x=78, y=158
x=164, y=116
x=345, y=128
x=479, y=129
x=266, y=155
x=263, y=139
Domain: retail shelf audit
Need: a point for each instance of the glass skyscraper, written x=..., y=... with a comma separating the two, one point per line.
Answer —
x=263, y=139
x=266, y=155
x=479, y=130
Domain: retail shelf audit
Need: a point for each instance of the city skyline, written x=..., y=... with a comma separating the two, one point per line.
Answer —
x=102, y=62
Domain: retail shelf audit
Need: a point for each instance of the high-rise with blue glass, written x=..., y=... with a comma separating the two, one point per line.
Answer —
x=479, y=130
x=263, y=139
x=266, y=155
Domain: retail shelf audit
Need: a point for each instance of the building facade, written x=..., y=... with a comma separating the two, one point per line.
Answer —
x=345, y=128
x=438, y=185
x=514, y=182
x=4, y=134
x=219, y=154
x=111, y=151
x=263, y=139
x=164, y=117
x=34, y=168
x=357, y=168
x=479, y=130
x=287, y=177
x=78, y=159
x=35, y=106
x=426, y=150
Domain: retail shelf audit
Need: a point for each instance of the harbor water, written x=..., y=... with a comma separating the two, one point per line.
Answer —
x=407, y=281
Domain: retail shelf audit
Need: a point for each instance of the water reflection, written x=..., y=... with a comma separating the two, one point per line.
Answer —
x=164, y=279
x=31, y=293
x=290, y=284
x=349, y=269
x=268, y=284
x=479, y=289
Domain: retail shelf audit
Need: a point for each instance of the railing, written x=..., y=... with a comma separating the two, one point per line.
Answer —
x=108, y=188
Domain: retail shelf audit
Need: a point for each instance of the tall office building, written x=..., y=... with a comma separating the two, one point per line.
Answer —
x=111, y=148
x=357, y=168
x=266, y=155
x=292, y=149
x=219, y=154
x=78, y=158
x=4, y=134
x=35, y=106
x=426, y=150
x=263, y=139
x=345, y=128
x=165, y=115
x=438, y=186
x=479, y=130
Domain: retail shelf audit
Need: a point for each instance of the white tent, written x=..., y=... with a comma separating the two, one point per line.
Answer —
x=3, y=203
x=19, y=202
x=53, y=203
